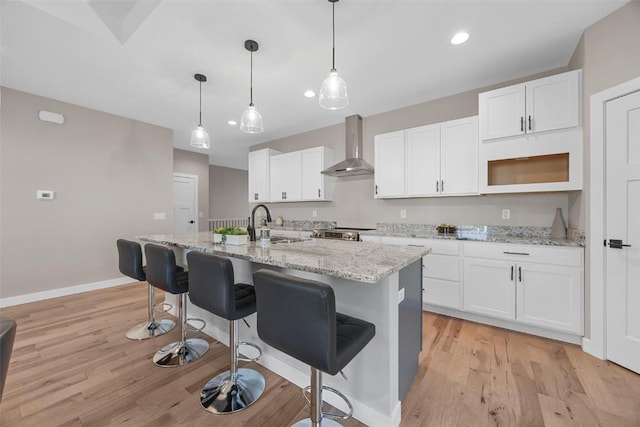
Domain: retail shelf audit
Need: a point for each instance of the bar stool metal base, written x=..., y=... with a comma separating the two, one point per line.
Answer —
x=180, y=353
x=148, y=330
x=222, y=395
x=325, y=422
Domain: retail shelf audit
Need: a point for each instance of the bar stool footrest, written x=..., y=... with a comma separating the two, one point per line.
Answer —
x=250, y=344
x=193, y=328
x=306, y=392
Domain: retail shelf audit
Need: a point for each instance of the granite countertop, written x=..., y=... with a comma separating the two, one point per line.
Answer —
x=358, y=261
x=496, y=234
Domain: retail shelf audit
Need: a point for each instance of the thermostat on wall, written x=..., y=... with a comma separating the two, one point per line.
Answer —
x=45, y=195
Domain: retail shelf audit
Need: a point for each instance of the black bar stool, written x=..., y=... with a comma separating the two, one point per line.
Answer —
x=298, y=317
x=130, y=263
x=212, y=288
x=162, y=273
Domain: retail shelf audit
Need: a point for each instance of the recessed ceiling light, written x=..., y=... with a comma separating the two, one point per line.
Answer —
x=309, y=93
x=460, y=38
x=232, y=122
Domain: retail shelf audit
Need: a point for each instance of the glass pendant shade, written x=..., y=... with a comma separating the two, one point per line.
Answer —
x=200, y=138
x=333, y=92
x=251, y=121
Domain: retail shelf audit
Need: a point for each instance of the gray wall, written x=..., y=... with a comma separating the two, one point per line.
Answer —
x=192, y=163
x=354, y=204
x=228, y=192
x=609, y=54
x=110, y=175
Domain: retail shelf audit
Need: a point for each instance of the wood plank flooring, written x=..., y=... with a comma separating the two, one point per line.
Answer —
x=73, y=366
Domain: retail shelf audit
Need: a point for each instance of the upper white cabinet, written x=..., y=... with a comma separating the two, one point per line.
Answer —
x=286, y=170
x=259, y=175
x=434, y=160
x=531, y=138
x=389, y=165
x=315, y=185
x=296, y=176
x=541, y=105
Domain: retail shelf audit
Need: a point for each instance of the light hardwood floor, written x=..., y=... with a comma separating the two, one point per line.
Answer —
x=72, y=366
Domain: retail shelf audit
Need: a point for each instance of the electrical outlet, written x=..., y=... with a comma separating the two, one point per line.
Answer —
x=314, y=213
x=506, y=213
x=403, y=213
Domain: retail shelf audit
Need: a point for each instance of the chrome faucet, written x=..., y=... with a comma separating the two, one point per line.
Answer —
x=252, y=225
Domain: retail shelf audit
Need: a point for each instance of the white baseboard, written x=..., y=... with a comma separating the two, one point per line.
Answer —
x=588, y=346
x=61, y=292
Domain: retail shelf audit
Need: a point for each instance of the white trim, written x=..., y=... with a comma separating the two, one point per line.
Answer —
x=61, y=292
x=596, y=343
x=196, y=213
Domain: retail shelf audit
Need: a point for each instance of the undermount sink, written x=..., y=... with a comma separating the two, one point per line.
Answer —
x=283, y=239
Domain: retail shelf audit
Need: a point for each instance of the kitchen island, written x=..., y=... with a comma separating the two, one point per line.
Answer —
x=378, y=283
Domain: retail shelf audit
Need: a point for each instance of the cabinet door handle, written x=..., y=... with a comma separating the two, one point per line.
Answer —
x=318, y=193
x=255, y=196
x=521, y=124
x=512, y=273
x=442, y=186
x=520, y=274
x=530, y=123
x=437, y=186
x=515, y=253
x=376, y=188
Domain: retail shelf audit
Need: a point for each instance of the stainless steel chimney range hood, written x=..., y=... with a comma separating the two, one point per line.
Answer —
x=353, y=164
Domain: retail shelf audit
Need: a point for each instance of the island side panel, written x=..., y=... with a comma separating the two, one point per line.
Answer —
x=410, y=326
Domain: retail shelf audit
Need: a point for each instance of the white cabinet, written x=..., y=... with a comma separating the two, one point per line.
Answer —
x=296, y=176
x=540, y=286
x=459, y=157
x=434, y=160
x=442, y=274
x=541, y=105
x=259, y=175
x=441, y=269
x=389, y=165
x=315, y=185
x=286, y=170
x=531, y=139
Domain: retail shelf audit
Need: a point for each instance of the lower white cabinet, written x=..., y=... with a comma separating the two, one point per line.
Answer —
x=441, y=269
x=539, y=286
x=534, y=285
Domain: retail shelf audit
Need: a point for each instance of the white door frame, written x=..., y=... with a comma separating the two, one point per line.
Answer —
x=596, y=344
x=196, y=213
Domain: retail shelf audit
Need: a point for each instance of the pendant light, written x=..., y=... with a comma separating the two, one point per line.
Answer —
x=251, y=120
x=333, y=92
x=200, y=137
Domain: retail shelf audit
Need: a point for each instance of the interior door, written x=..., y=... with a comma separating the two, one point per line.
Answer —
x=184, y=203
x=622, y=256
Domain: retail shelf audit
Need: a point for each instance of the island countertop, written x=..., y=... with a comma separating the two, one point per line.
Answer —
x=358, y=261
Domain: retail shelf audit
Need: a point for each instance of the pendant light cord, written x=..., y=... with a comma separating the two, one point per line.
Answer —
x=333, y=48
x=251, y=82
x=200, y=124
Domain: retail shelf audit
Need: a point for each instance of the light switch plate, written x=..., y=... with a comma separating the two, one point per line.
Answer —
x=400, y=295
x=159, y=216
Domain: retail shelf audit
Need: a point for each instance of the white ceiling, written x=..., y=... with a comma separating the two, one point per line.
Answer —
x=137, y=58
